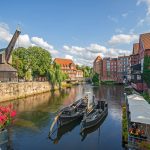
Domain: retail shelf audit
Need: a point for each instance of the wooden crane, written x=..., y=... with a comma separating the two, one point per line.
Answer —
x=11, y=45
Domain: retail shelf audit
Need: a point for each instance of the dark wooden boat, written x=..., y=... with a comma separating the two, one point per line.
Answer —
x=69, y=114
x=61, y=131
x=95, y=115
x=72, y=112
x=84, y=133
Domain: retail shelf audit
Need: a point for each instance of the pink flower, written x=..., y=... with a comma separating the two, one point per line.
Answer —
x=13, y=114
x=6, y=115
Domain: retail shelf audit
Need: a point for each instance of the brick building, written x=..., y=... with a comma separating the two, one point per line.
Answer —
x=113, y=69
x=122, y=68
x=68, y=67
x=140, y=50
x=106, y=69
x=97, y=66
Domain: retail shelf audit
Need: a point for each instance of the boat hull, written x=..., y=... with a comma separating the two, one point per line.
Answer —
x=68, y=119
x=89, y=124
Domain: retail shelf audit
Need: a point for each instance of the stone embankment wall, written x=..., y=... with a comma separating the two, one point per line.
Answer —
x=9, y=91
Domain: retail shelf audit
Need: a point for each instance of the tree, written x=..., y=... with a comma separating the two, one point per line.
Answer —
x=146, y=70
x=87, y=71
x=56, y=76
x=36, y=59
x=95, y=79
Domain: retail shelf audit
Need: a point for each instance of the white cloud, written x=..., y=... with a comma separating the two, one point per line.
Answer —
x=124, y=15
x=66, y=47
x=112, y=52
x=44, y=44
x=123, y=39
x=24, y=39
x=69, y=57
x=146, y=19
x=89, y=53
x=112, y=19
x=95, y=48
x=141, y=22
x=4, y=32
x=41, y=42
x=147, y=2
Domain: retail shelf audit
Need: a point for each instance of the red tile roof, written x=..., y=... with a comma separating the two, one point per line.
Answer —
x=64, y=62
x=145, y=38
x=135, y=48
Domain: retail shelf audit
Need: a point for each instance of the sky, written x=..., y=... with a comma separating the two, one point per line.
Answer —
x=76, y=29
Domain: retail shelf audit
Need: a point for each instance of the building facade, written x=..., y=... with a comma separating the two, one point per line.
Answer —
x=98, y=66
x=113, y=69
x=7, y=72
x=69, y=67
x=122, y=68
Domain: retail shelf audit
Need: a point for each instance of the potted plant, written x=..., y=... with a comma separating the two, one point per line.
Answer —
x=7, y=115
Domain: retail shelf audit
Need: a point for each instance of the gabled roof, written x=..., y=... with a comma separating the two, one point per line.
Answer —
x=7, y=68
x=63, y=62
x=135, y=48
x=98, y=58
x=145, y=38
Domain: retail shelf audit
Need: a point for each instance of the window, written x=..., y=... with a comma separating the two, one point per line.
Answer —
x=0, y=58
x=138, y=77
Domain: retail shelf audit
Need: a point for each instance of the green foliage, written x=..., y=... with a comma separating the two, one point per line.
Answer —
x=36, y=59
x=28, y=75
x=95, y=79
x=87, y=71
x=146, y=70
x=146, y=96
x=128, y=90
x=55, y=75
x=124, y=125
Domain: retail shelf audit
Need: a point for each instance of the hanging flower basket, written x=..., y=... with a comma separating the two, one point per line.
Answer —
x=3, y=136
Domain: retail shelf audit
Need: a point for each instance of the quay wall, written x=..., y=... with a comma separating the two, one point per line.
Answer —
x=10, y=91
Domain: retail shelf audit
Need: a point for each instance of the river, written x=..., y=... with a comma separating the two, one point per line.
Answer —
x=35, y=115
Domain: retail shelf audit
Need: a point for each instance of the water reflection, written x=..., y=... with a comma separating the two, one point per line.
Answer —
x=63, y=130
x=36, y=113
x=93, y=129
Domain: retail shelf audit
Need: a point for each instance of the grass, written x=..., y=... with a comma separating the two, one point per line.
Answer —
x=124, y=125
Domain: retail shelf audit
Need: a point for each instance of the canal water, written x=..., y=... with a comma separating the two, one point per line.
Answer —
x=35, y=115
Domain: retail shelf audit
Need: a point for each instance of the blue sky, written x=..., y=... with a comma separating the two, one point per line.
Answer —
x=77, y=29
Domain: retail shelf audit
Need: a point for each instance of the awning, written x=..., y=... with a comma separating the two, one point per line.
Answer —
x=139, y=109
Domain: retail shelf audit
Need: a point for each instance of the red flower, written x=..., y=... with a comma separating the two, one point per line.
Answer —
x=6, y=115
x=13, y=113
